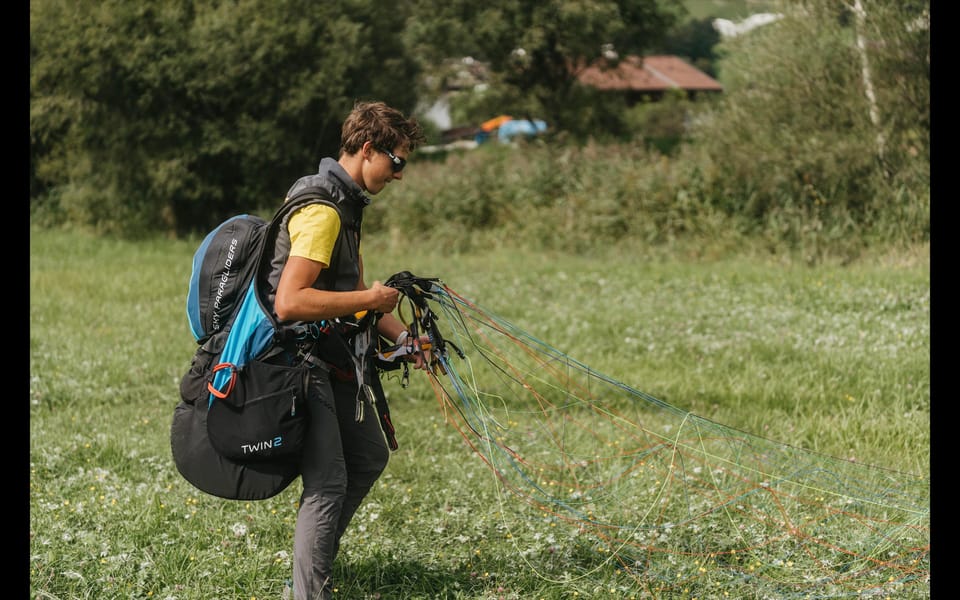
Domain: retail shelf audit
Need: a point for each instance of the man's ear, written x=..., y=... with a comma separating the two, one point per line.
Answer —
x=367, y=150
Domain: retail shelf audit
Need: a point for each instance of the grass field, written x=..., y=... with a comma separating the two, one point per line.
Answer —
x=830, y=359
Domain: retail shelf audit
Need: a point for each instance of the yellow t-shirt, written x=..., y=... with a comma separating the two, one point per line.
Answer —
x=313, y=232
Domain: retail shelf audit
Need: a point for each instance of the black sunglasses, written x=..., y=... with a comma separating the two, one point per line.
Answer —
x=398, y=163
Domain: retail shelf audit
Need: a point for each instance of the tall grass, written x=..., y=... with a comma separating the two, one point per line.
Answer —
x=829, y=358
x=571, y=199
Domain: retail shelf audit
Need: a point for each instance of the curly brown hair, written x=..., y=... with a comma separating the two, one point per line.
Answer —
x=381, y=124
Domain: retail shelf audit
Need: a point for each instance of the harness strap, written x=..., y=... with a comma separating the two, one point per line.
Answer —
x=365, y=376
x=417, y=291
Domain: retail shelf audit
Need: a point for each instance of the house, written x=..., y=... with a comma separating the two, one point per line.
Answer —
x=638, y=78
x=648, y=77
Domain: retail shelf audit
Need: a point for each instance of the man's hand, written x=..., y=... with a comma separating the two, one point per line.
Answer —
x=383, y=298
x=421, y=359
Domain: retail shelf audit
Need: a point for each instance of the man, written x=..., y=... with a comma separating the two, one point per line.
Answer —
x=318, y=278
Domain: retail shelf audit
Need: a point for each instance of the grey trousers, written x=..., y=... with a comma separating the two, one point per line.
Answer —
x=342, y=459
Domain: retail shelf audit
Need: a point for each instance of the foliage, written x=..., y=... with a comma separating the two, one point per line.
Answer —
x=694, y=40
x=178, y=113
x=662, y=125
x=585, y=198
x=167, y=117
x=796, y=138
x=535, y=48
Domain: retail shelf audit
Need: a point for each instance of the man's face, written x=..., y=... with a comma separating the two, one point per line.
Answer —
x=385, y=165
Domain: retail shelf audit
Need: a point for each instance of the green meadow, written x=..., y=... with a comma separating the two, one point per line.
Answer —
x=830, y=358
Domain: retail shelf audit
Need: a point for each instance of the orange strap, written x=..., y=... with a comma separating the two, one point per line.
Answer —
x=230, y=384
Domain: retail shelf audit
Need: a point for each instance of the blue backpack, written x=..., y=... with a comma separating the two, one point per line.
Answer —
x=223, y=296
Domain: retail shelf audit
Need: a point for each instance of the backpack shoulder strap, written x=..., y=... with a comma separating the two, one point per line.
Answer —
x=311, y=195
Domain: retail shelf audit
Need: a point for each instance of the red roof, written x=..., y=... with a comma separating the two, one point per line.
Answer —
x=650, y=73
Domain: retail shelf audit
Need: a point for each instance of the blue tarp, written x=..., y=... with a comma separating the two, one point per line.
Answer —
x=507, y=130
x=515, y=127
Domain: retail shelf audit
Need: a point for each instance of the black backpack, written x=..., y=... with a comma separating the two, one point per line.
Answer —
x=237, y=428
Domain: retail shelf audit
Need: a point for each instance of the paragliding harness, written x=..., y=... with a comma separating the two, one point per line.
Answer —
x=372, y=354
x=238, y=428
x=242, y=410
x=354, y=337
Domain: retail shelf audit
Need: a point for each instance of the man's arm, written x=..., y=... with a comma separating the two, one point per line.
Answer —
x=298, y=300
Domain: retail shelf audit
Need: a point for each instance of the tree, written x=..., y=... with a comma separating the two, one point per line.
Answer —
x=694, y=40
x=534, y=48
x=173, y=114
x=797, y=130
